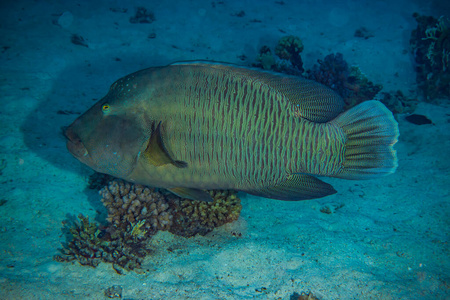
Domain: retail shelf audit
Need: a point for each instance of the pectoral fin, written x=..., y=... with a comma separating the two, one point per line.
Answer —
x=193, y=194
x=296, y=187
x=157, y=154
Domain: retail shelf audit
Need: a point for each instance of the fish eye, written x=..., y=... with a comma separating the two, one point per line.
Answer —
x=105, y=108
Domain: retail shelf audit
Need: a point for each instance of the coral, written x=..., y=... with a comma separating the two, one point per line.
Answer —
x=349, y=83
x=289, y=60
x=333, y=72
x=289, y=48
x=197, y=217
x=84, y=244
x=135, y=204
x=135, y=214
x=430, y=44
x=359, y=88
x=397, y=102
x=265, y=59
x=89, y=246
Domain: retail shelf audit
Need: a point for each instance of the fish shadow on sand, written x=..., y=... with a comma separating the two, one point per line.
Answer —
x=75, y=89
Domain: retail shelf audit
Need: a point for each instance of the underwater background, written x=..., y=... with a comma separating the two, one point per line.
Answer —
x=378, y=239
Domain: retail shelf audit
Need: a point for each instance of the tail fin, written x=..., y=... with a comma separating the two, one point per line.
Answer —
x=371, y=132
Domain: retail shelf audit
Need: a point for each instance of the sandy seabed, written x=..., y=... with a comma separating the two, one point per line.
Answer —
x=385, y=238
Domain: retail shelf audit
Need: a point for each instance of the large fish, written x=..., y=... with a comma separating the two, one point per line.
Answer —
x=192, y=127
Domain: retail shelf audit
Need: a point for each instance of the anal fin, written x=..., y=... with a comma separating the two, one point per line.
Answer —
x=296, y=187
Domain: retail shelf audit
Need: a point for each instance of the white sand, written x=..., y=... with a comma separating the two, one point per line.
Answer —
x=390, y=240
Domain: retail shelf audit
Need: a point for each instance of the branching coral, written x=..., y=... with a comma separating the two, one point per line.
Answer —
x=265, y=59
x=430, y=43
x=359, y=88
x=350, y=83
x=397, y=102
x=89, y=246
x=197, y=217
x=332, y=71
x=289, y=48
x=135, y=214
x=288, y=52
x=133, y=203
x=439, y=46
x=84, y=244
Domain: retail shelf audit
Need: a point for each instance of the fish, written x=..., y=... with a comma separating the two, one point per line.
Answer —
x=197, y=126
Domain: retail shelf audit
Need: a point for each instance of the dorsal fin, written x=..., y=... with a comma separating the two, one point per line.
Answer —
x=296, y=187
x=310, y=99
x=157, y=154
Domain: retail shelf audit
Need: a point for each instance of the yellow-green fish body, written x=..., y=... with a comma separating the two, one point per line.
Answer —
x=196, y=126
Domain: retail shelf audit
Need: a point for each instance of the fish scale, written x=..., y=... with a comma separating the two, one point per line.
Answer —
x=236, y=96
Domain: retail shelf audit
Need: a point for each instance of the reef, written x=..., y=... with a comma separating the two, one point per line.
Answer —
x=397, y=102
x=198, y=217
x=265, y=59
x=349, y=82
x=90, y=245
x=289, y=48
x=430, y=45
x=136, y=205
x=333, y=71
x=359, y=88
x=287, y=58
x=135, y=214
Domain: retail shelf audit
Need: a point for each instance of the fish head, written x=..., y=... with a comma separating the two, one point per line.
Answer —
x=110, y=136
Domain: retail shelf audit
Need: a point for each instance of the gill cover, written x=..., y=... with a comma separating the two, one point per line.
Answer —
x=112, y=137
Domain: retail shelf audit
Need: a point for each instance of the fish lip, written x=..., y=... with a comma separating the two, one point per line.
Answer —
x=74, y=143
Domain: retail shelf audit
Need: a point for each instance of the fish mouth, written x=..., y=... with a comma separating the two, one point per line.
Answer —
x=74, y=143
